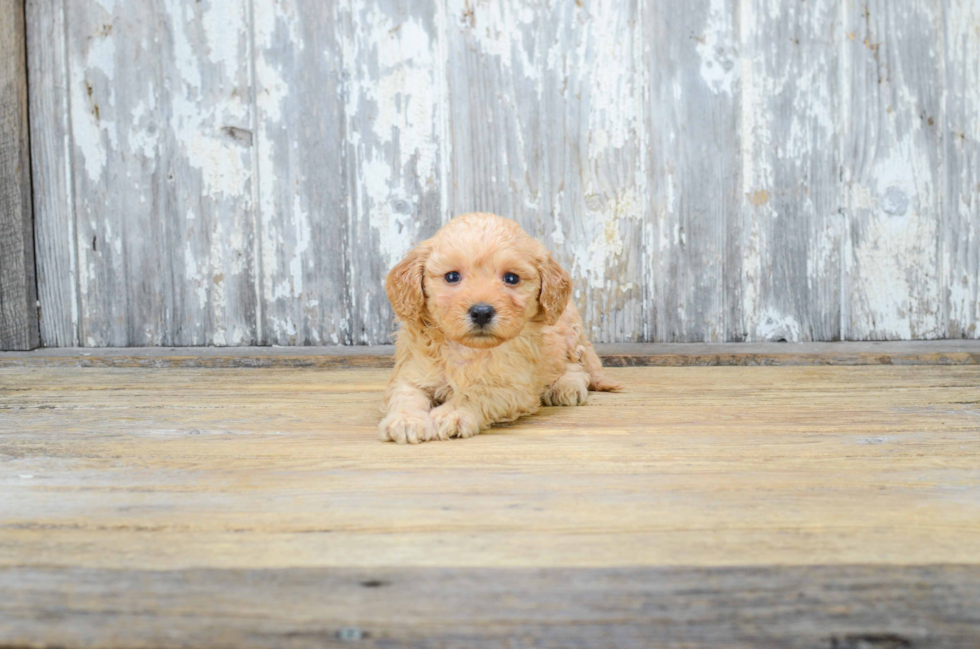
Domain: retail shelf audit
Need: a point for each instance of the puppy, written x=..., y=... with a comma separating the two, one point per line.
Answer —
x=488, y=332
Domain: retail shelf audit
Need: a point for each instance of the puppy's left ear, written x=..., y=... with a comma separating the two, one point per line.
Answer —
x=404, y=286
x=556, y=289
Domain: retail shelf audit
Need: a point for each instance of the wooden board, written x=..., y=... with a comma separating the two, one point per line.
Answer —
x=18, y=290
x=894, y=122
x=253, y=468
x=961, y=206
x=829, y=607
x=792, y=227
x=161, y=119
x=692, y=283
x=51, y=164
x=301, y=200
x=705, y=507
x=722, y=170
x=952, y=352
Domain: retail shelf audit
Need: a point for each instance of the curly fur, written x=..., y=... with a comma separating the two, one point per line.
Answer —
x=452, y=379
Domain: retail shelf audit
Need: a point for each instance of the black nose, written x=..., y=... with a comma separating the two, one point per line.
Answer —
x=481, y=314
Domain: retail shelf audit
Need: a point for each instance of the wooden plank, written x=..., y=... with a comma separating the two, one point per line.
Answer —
x=715, y=507
x=847, y=607
x=693, y=287
x=662, y=170
x=175, y=469
x=791, y=229
x=951, y=352
x=893, y=170
x=302, y=201
x=54, y=214
x=18, y=288
x=961, y=207
x=548, y=128
x=162, y=143
x=397, y=145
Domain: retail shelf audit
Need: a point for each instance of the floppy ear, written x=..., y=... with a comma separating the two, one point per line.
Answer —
x=556, y=289
x=404, y=286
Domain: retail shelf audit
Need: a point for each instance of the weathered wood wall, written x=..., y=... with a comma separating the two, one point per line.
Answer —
x=18, y=296
x=237, y=172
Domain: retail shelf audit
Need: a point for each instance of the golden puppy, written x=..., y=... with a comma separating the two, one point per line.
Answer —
x=487, y=333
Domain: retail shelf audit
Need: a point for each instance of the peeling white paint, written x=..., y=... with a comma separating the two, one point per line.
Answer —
x=603, y=243
x=614, y=112
x=395, y=77
x=302, y=236
x=224, y=166
x=587, y=192
x=773, y=326
x=93, y=131
x=557, y=234
x=716, y=46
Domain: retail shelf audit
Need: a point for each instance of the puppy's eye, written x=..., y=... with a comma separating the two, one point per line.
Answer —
x=511, y=278
x=452, y=277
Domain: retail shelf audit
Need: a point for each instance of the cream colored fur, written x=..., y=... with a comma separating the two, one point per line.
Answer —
x=453, y=379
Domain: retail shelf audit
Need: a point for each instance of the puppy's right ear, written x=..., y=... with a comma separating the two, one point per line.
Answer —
x=404, y=286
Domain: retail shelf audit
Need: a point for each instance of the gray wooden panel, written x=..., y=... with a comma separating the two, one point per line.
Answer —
x=18, y=289
x=161, y=123
x=239, y=173
x=926, y=352
x=892, y=166
x=836, y=607
x=54, y=215
x=961, y=208
x=548, y=128
x=397, y=145
x=302, y=207
x=792, y=225
x=693, y=281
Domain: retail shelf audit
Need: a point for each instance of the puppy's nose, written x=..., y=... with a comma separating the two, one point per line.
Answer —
x=481, y=314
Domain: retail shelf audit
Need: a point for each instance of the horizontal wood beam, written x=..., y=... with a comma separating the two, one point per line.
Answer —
x=18, y=289
x=938, y=352
x=835, y=607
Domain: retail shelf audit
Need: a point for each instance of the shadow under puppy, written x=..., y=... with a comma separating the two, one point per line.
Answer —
x=488, y=332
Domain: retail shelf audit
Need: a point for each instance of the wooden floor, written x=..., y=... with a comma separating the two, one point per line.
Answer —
x=704, y=506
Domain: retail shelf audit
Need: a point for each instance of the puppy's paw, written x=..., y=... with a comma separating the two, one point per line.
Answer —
x=566, y=391
x=453, y=422
x=407, y=428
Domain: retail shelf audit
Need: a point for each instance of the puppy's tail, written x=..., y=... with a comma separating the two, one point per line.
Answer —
x=598, y=381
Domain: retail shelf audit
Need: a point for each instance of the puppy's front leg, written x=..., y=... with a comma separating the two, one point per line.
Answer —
x=407, y=414
x=476, y=408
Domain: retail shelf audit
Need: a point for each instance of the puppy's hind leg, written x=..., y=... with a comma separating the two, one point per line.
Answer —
x=571, y=388
x=598, y=381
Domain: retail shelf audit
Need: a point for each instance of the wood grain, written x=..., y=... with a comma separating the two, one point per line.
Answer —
x=18, y=289
x=961, y=206
x=161, y=123
x=302, y=201
x=723, y=170
x=825, y=607
x=952, y=352
x=172, y=469
x=893, y=170
x=693, y=285
x=51, y=150
x=708, y=507
x=792, y=226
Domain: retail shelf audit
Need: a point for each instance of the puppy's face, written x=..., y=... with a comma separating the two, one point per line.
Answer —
x=481, y=295
x=480, y=280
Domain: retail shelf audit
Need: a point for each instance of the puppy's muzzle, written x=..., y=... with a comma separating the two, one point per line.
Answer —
x=482, y=314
